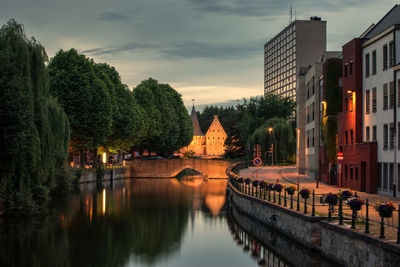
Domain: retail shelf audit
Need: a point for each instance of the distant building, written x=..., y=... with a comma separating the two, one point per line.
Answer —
x=298, y=45
x=209, y=145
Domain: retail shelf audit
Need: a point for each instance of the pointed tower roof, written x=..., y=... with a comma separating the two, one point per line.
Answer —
x=196, y=126
x=216, y=124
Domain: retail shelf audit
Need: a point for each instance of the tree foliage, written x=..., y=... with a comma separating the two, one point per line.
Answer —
x=34, y=127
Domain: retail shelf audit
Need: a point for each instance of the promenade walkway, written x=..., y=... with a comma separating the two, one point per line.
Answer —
x=287, y=175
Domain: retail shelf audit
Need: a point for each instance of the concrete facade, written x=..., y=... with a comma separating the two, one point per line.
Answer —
x=299, y=44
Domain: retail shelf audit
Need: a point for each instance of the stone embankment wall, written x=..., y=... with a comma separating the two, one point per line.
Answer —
x=117, y=173
x=339, y=243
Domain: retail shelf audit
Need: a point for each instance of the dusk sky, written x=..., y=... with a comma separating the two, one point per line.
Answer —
x=208, y=50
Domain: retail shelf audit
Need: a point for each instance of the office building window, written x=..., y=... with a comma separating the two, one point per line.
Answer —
x=385, y=57
x=391, y=54
x=345, y=69
x=392, y=135
x=367, y=133
x=391, y=94
x=312, y=109
x=367, y=65
x=374, y=133
x=367, y=102
x=398, y=136
x=391, y=175
x=373, y=62
x=313, y=137
x=345, y=138
x=385, y=136
x=374, y=99
x=379, y=170
x=385, y=96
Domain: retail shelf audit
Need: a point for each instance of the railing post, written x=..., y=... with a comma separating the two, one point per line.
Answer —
x=398, y=226
x=382, y=228
x=274, y=197
x=252, y=190
x=269, y=195
x=305, y=206
x=367, y=217
x=291, y=201
x=284, y=199
x=340, y=210
x=313, y=203
x=279, y=201
x=298, y=200
x=353, y=219
x=329, y=212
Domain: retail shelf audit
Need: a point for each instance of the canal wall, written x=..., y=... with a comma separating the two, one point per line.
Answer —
x=109, y=174
x=339, y=243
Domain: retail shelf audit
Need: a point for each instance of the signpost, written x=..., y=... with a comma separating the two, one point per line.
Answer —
x=340, y=161
x=257, y=162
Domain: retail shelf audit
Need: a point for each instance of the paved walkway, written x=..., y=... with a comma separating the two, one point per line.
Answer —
x=287, y=175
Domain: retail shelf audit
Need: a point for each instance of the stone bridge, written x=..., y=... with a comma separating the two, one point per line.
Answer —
x=168, y=168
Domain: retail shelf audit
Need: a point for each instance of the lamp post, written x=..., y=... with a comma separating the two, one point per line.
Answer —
x=270, y=129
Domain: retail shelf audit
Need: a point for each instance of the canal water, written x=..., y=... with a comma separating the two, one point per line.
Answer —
x=139, y=222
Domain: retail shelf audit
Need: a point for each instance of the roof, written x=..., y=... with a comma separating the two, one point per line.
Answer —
x=391, y=18
x=215, y=124
x=196, y=126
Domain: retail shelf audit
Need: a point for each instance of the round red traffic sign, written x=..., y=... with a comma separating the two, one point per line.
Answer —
x=257, y=161
x=340, y=154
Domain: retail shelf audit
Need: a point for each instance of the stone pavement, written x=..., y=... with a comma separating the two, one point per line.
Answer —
x=289, y=174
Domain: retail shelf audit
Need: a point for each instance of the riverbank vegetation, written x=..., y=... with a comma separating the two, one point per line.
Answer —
x=72, y=105
x=259, y=120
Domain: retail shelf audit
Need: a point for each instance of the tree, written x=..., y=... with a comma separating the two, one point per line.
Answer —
x=34, y=133
x=85, y=97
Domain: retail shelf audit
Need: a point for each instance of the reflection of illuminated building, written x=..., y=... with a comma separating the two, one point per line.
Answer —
x=215, y=203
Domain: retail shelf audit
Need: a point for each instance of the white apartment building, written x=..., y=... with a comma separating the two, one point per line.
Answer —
x=381, y=56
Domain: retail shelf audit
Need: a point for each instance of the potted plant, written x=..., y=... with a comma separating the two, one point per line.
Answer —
x=355, y=203
x=278, y=187
x=255, y=183
x=240, y=180
x=247, y=181
x=305, y=193
x=345, y=194
x=385, y=209
x=263, y=184
x=290, y=189
x=332, y=199
x=270, y=186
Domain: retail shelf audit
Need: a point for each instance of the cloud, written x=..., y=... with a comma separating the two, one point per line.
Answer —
x=114, y=50
x=114, y=16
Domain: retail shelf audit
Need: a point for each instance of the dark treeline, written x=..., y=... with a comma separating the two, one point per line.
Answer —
x=247, y=125
x=72, y=104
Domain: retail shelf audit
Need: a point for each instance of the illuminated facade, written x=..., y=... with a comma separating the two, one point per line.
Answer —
x=298, y=45
x=210, y=144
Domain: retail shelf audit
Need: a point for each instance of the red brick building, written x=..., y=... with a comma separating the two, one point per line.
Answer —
x=359, y=168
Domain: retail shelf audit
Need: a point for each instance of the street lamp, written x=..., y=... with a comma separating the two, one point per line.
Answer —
x=270, y=129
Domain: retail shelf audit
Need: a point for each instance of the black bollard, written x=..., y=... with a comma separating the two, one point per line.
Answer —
x=291, y=201
x=367, y=217
x=329, y=212
x=269, y=195
x=353, y=219
x=284, y=200
x=298, y=201
x=305, y=206
x=279, y=195
x=274, y=197
x=382, y=228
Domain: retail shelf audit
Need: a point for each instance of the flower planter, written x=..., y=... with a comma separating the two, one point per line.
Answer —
x=290, y=191
x=386, y=213
x=355, y=206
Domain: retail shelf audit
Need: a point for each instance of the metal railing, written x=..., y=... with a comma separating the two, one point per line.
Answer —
x=310, y=206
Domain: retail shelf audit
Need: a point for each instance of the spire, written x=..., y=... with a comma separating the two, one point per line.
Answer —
x=196, y=126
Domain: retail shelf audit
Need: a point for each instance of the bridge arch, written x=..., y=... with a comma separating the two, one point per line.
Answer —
x=187, y=167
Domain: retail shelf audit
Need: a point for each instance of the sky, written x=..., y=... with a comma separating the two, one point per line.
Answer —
x=208, y=50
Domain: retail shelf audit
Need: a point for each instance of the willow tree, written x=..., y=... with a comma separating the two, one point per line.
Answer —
x=279, y=133
x=34, y=133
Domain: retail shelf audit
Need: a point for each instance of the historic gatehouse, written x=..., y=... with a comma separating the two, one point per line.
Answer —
x=210, y=144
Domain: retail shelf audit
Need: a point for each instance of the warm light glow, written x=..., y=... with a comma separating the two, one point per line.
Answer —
x=104, y=201
x=349, y=91
x=270, y=129
x=104, y=157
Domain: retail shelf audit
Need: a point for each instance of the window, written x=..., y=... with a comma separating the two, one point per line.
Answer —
x=346, y=104
x=367, y=102
x=391, y=94
x=308, y=138
x=313, y=85
x=367, y=133
x=351, y=68
x=379, y=167
x=356, y=172
x=392, y=135
x=351, y=103
x=385, y=176
x=391, y=54
x=385, y=136
x=367, y=65
x=351, y=136
x=312, y=107
x=345, y=69
x=398, y=96
x=385, y=96
x=398, y=177
x=374, y=99
x=313, y=137
x=351, y=172
x=398, y=136
x=374, y=133
x=373, y=62
x=308, y=114
x=345, y=172
x=345, y=138
x=391, y=174
x=385, y=57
